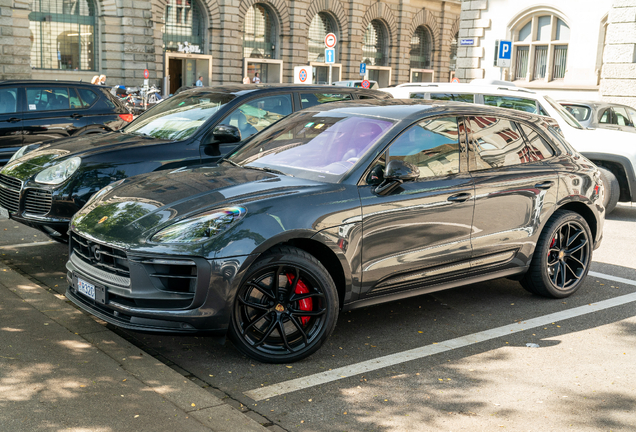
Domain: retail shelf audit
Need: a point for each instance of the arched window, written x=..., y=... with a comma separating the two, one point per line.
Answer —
x=374, y=45
x=184, y=23
x=540, y=48
x=421, y=48
x=320, y=26
x=62, y=34
x=259, y=33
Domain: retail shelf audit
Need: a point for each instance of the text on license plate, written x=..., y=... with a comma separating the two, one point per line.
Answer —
x=86, y=288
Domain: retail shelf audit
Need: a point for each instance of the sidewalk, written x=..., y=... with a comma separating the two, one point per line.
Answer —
x=61, y=370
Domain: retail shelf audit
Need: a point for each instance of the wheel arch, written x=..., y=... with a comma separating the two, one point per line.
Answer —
x=587, y=214
x=622, y=169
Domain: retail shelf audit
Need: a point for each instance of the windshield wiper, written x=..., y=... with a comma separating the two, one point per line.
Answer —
x=267, y=169
x=230, y=162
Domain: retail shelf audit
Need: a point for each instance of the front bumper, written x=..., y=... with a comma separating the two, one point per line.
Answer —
x=161, y=293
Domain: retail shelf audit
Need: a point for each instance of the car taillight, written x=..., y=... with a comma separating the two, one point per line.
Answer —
x=126, y=117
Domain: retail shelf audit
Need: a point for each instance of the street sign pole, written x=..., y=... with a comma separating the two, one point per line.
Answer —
x=329, y=73
x=330, y=43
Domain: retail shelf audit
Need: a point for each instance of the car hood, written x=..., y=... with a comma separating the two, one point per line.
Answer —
x=49, y=154
x=129, y=214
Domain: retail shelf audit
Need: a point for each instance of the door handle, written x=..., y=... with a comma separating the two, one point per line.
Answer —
x=544, y=185
x=14, y=120
x=76, y=115
x=461, y=197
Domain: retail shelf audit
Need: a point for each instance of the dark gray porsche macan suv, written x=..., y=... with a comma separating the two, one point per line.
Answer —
x=333, y=208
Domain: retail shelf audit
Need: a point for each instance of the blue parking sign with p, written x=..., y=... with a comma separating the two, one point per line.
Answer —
x=504, y=53
x=363, y=68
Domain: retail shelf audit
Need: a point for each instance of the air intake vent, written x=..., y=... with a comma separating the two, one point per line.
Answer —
x=10, y=193
x=37, y=202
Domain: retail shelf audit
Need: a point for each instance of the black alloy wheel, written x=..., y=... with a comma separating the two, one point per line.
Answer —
x=286, y=307
x=562, y=257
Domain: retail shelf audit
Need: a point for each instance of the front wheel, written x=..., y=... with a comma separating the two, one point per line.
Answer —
x=561, y=258
x=286, y=307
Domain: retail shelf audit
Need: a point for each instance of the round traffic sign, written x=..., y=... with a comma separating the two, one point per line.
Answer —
x=455, y=80
x=366, y=83
x=146, y=74
x=302, y=75
x=330, y=40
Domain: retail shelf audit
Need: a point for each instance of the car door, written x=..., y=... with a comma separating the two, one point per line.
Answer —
x=515, y=188
x=250, y=118
x=48, y=113
x=422, y=229
x=10, y=122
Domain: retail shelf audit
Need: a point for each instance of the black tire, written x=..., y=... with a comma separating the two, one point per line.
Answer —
x=561, y=258
x=612, y=190
x=265, y=306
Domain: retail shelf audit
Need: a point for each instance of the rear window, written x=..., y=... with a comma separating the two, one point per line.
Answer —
x=579, y=112
x=88, y=97
x=457, y=97
x=511, y=102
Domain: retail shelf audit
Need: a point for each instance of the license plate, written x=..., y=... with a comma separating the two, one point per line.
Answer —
x=4, y=213
x=86, y=288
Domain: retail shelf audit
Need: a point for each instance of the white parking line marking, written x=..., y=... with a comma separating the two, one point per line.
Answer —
x=28, y=245
x=436, y=348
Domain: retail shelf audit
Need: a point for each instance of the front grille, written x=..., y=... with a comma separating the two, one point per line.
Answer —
x=10, y=193
x=106, y=258
x=38, y=201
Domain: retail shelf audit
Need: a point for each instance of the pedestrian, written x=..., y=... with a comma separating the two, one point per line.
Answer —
x=95, y=80
x=199, y=82
x=246, y=80
x=256, y=79
x=102, y=80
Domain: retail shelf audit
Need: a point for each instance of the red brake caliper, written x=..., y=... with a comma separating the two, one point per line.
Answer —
x=305, y=304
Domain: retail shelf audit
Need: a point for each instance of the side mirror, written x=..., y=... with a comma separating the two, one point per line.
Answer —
x=225, y=134
x=396, y=173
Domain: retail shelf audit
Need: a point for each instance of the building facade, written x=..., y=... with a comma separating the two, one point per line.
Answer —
x=224, y=41
x=582, y=49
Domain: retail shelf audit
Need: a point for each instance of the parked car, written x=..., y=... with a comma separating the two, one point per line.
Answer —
x=596, y=114
x=356, y=83
x=613, y=151
x=34, y=111
x=339, y=206
x=45, y=184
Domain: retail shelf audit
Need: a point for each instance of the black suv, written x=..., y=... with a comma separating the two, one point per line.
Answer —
x=35, y=111
x=49, y=182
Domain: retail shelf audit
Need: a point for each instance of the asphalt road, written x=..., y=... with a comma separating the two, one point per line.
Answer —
x=471, y=369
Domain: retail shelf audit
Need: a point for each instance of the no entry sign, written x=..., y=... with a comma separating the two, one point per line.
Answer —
x=146, y=74
x=330, y=40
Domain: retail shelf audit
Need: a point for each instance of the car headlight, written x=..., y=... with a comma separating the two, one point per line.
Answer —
x=59, y=172
x=19, y=153
x=201, y=227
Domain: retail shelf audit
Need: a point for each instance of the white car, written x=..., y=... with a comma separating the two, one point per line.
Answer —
x=614, y=152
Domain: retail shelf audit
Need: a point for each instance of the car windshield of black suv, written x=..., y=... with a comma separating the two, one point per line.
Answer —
x=317, y=146
x=178, y=117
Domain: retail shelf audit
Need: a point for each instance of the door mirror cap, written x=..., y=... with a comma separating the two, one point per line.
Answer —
x=397, y=170
x=225, y=134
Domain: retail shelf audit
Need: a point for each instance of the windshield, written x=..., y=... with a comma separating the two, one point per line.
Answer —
x=178, y=117
x=318, y=146
x=564, y=113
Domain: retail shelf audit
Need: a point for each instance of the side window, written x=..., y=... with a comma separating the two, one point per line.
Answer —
x=632, y=114
x=312, y=99
x=417, y=96
x=542, y=111
x=431, y=145
x=622, y=119
x=537, y=148
x=47, y=99
x=362, y=96
x=516, y=103
x=257, y=114
x=8, y=100
x=605, y=116
x=73, y=99
x=496, y=143
x=453, y=97
x=88, y=97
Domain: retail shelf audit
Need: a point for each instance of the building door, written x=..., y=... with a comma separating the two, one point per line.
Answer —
x=175, y=70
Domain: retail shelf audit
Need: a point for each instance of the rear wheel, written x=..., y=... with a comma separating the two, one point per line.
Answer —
x=286, y=307
x=562, y=257
x=612, y=189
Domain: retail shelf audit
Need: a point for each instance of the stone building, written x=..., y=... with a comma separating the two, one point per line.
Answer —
x=584, y=49
x=225, y=40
